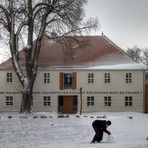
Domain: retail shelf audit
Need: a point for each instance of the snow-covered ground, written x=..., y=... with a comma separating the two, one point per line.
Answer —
x=47, y=130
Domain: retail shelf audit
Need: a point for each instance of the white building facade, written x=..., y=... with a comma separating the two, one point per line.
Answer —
x=112, y=87
x=102, y=90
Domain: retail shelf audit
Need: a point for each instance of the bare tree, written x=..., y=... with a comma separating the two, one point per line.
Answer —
x=26, y=22
x=145, y=61
x=139, y=55
x=135, y=53
x=145, y=56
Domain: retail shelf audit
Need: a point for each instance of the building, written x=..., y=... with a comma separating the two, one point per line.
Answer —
x=109, y=79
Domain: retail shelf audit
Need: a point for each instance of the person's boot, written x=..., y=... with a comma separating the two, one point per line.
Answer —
x=92, y=142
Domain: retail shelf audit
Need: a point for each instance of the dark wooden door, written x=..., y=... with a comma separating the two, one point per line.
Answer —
x=68, y=104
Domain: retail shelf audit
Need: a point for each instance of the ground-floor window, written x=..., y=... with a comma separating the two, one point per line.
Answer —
x=9, y=100
x=128, y=100
x=90, y=101
x=107, y=101
x=46, y=101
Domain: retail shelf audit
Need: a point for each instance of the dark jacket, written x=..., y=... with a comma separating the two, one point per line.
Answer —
x=100, y=125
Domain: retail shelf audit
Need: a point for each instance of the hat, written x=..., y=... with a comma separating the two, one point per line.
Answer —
x=108, y=122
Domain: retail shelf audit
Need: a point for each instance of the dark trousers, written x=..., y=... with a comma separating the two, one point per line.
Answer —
x=98, y=134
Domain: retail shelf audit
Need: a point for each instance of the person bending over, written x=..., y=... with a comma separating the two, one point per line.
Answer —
x=99, y=127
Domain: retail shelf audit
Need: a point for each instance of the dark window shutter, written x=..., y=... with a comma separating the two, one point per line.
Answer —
x=74, y=80
x=61, y=81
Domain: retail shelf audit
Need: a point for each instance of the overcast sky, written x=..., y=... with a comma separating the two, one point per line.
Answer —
x=125, y=22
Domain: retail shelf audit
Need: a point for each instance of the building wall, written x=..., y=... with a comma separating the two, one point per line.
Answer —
x=117, y=89
x=9, y=89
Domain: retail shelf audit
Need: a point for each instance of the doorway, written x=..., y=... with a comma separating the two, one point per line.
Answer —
x=67, y=104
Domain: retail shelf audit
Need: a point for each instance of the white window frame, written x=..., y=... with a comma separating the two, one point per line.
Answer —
x=128, y=77
x=91, y=77
x=46, y=101
x=9, y=76
x=107, y=78
x=46, y=77
x=9, y=100
x=90, y=101
x=107, y=101
x=128, y=101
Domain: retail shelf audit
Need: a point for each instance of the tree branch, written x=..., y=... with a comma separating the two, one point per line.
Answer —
x=6, y=14
x=4, y=23
x=20, y=28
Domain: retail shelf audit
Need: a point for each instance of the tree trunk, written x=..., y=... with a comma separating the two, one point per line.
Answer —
x=26, y=99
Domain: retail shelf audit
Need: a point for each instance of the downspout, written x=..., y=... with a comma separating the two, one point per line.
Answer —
x=144, y=93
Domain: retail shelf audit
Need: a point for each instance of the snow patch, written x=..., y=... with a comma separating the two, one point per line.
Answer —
x=121, y=66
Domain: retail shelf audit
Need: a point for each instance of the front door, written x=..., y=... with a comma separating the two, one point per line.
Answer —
x=68, y=104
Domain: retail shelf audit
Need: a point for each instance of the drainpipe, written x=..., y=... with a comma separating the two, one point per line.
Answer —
x=80, y=100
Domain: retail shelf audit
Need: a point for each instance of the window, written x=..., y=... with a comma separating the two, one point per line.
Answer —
x=90, y=78
x=128, y=77
x=46, y=101
x=107, y=101
x=46, y=77
x=107, y=78
x=67, y=80
x=9, y=77
x=90, y=101
x=9, y=100
x=128, y=101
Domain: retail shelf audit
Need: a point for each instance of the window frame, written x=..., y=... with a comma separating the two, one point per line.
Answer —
x=90, y=77
x=66, y=85
x=62, y=83
x=90, y=101
x=128, y=101
x=128, y=77
x=9, y=77
x=107, y=101
x=46, y=101
x=107, y=78
x=9, y=101
x=46, y=77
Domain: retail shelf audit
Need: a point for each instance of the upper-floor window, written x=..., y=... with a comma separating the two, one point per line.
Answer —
x=106, y=77
x=46, y=77
x=90, y=101
x=90, y=78
x=128, y=101
x=9, y=100
x=128, y=77
x=107, y=101
x=9, y=77
x=46, y=101
x=67, y=80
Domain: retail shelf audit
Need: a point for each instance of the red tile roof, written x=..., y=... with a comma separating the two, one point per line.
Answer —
x=99, y=50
